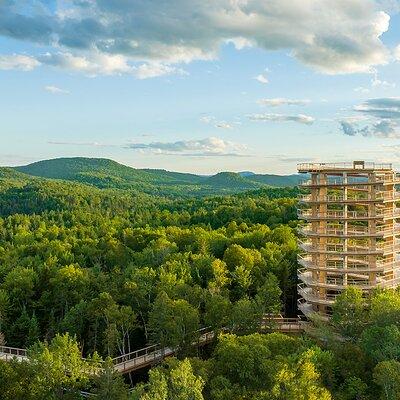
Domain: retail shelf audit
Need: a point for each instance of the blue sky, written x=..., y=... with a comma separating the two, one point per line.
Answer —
x=200, y=86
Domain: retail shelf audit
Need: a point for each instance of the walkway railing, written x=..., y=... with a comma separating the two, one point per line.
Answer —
x=356, y=182
x=280, y=324
x=306, y=167
x=151, y=355
x=378, y=196
x=8, y=353
x=141, y=357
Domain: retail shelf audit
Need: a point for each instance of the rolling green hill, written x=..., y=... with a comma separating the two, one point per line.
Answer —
x=231, y=180
x=80, y=169
x=11, y=173
x=9, y=178
x=104, y=173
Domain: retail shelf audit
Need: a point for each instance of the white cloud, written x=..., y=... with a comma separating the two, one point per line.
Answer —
x=208, y=119
x=55, y=90
x=152, y=70
x=381, y=129
x=382, y=108
x=211, y=146
x=223, y=125
x=300, y=118
x=240, y=42
x=261, y=78
x=332, y=36
x=96, y=63
x=93, y=64
x=279, y=101
x=18, y=62
x=382, y=116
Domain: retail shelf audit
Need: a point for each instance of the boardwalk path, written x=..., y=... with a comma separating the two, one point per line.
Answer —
x=8, y=353
x=151, y=355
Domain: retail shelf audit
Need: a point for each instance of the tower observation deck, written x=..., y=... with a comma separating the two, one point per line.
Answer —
x=350, y=234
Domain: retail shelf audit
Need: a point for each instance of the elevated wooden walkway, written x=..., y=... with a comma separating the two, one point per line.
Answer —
x=281, y=324
x=154, y=354
x=9, y=353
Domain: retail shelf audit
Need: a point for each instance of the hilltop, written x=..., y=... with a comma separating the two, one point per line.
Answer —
x=104, y=173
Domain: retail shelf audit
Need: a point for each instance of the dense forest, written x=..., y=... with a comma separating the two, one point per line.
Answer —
x=89, y=272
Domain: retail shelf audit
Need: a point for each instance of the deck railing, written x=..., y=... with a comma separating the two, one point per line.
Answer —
x=353, y=264
x=340, y=214
x=380, y=248
x=8, y=353
x=308, y=295
x=380, y=180
x=305, y=167
x=147, y=354
x=378, y=196
x=339, y=283
x=350, y=231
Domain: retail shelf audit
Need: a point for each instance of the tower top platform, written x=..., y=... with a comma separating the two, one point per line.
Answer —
x=355, y=166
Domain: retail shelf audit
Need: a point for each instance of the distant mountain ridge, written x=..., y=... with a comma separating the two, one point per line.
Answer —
x=231, y=179
x=246, y=173
x=105, y=173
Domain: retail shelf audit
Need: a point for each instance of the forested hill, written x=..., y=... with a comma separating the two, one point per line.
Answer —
x=104, y=173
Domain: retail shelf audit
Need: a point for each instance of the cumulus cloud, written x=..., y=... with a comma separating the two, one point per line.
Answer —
x=18, y=62
x=279, y=101
x=383, y=108
x=350, y=129
x=152, y=70
x=300, y=118
x=55, y=90
x=240, y=42
x=332, y=36
x=92, y=64
x=382, y=116
x=211, y=146
x=381, y=129
x=261, y=78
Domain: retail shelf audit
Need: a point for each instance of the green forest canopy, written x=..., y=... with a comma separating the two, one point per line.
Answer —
x=99, y=272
